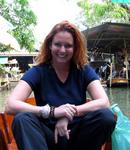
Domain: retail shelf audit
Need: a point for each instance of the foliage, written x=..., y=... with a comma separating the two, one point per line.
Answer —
x=2, y=69
x=4, y=48
x=106, y=11
x=22, y=18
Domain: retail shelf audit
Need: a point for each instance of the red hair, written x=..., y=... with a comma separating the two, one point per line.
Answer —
x=80, y=52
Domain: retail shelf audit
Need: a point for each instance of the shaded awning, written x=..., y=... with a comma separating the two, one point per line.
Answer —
x=4, y=24
x=108, y=37
x=8, y=40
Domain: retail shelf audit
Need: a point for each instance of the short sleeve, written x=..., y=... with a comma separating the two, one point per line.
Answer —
x=90, y=74
x=32, y=77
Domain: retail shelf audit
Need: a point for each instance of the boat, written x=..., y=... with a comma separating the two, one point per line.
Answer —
x=113, y=39
x=117, y=82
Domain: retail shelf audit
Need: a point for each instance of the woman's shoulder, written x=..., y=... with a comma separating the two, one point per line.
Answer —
x=36, y=70
x=89, y=71
x=41, y=66
x=87, y=67
x=84, y=68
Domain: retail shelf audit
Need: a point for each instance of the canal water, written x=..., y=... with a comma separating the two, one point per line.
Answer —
x=3, y=96
x=121, y=96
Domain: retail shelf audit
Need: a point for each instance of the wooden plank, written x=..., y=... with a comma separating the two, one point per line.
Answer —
x=6, y=131
x=3, y=144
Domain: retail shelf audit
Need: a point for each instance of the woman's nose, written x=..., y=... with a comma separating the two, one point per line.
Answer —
x=62, y=48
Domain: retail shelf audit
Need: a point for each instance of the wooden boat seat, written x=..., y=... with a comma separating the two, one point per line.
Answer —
x=7, y=141
x=3, y=145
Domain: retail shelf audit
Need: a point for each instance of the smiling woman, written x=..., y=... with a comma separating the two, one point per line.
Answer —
x=62, y=48
x=60, y=82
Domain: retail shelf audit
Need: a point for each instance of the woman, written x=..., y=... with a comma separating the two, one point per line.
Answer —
x=62, y=119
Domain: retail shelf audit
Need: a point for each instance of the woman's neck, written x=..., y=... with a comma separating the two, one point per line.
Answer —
x=61, y=66
x=62, y=71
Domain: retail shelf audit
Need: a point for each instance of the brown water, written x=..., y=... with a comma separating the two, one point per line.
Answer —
x=121, y=96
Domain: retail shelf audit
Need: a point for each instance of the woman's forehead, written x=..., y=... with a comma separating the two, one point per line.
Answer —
x=63, y=35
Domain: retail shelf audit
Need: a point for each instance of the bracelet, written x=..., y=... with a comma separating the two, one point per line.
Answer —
x=45, y=111
x=52, y=109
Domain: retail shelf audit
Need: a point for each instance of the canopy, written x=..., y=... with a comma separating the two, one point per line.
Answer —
x=108, y=37
x=8, y=39
x=4, y=24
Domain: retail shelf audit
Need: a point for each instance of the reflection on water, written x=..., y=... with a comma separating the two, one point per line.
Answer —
x=121, y=96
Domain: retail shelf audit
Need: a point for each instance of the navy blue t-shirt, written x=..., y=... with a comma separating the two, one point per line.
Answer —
x=49, y=89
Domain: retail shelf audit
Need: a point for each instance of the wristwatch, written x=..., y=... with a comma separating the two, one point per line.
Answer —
x=44, y=111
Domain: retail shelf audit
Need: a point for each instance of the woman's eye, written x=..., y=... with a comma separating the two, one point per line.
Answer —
x=58, y=44
x=68, y=45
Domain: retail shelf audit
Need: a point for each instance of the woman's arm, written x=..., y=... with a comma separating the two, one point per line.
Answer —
x=16, y=101
x=98, y=96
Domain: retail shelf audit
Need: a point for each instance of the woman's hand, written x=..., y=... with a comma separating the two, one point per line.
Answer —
x=66, y=110
x=61, y=129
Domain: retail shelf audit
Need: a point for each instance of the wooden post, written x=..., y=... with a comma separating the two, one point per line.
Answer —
x=111, y=74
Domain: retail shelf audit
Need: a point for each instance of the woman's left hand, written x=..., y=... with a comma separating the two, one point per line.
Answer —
x=61, y=129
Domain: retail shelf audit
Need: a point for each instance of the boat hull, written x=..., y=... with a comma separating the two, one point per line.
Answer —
x=118, y=82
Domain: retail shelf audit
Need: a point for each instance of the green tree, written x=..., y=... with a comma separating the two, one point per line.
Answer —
x=106, y=11
x=22, y=18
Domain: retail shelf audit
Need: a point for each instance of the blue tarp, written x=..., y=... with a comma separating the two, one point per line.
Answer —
x=3, y=60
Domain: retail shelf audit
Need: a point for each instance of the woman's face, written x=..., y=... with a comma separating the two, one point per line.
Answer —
x=62, y=47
